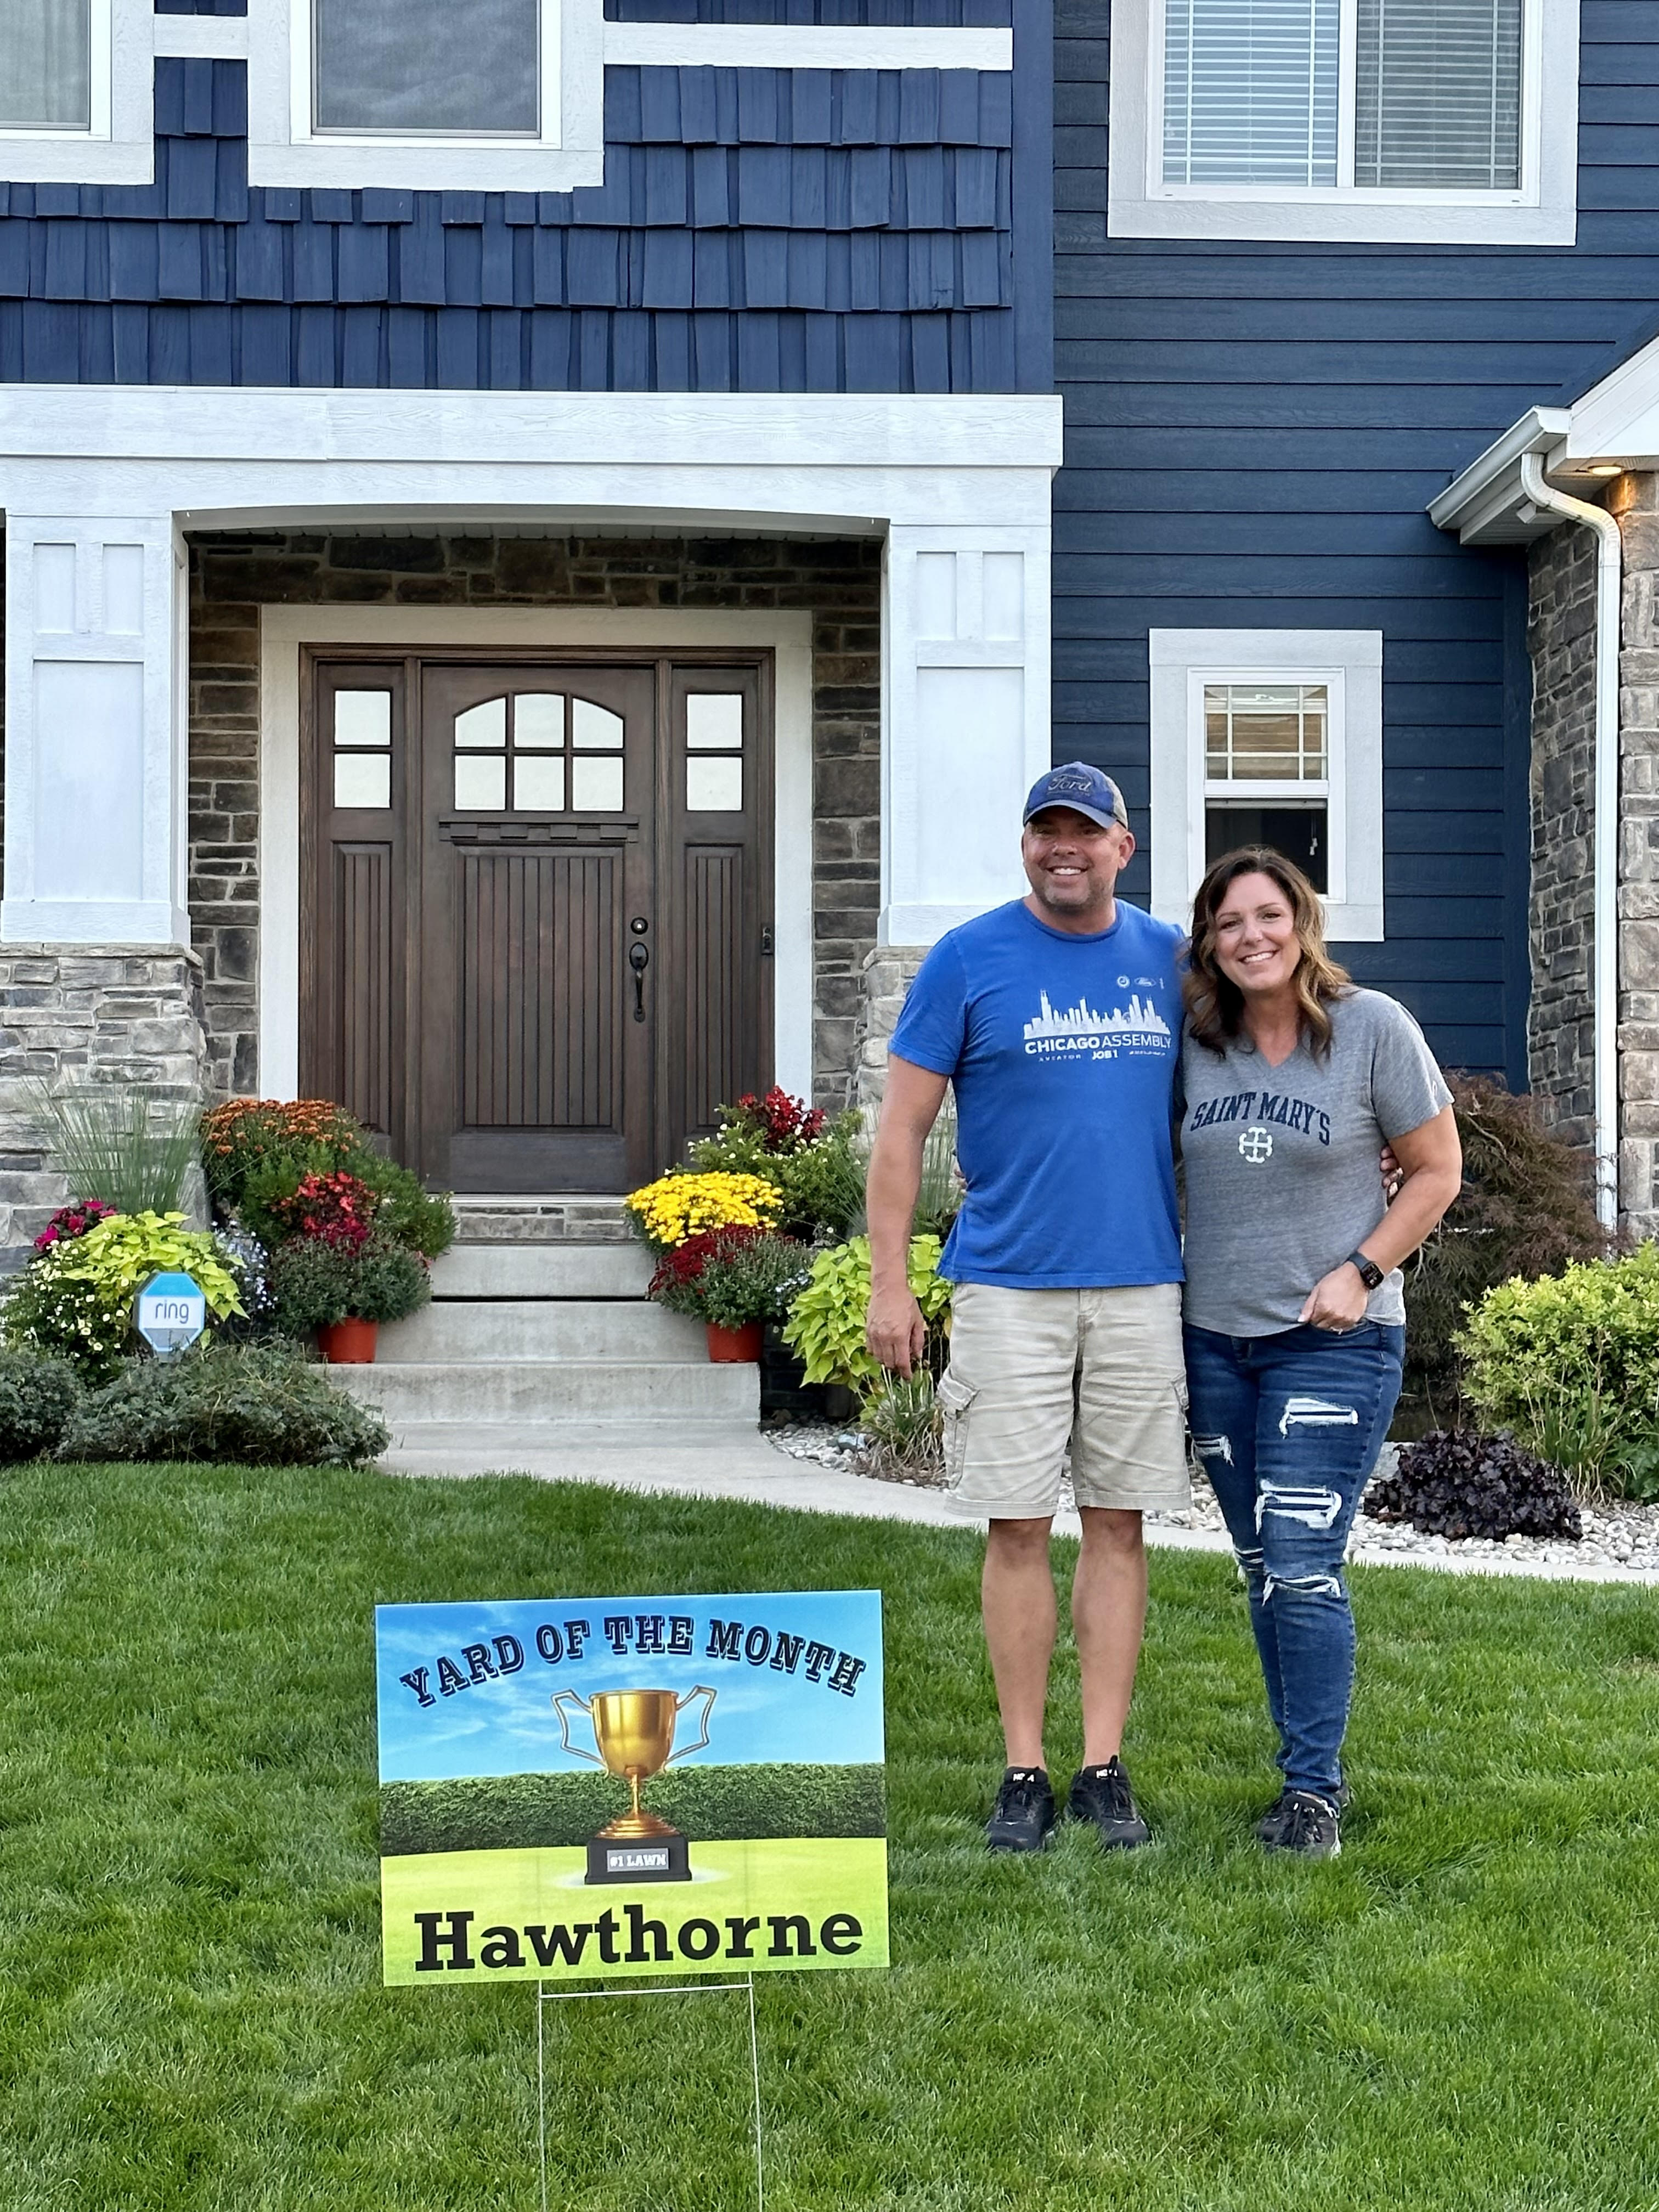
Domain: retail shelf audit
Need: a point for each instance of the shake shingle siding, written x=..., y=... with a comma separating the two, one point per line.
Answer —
x=757, y=229
x=1252, y=434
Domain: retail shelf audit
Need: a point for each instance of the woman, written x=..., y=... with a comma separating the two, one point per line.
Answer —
x=1295, y=1324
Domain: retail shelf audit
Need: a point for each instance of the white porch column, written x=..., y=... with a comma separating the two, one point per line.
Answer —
x=97, y=660
x=965, y=718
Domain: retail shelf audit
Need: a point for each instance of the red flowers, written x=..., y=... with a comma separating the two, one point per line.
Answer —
x=337, y=1209
x=684, y=1263
x=782, y=1123
x=72, y=1220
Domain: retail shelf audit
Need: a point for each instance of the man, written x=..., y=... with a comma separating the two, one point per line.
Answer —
x=1057, y=1017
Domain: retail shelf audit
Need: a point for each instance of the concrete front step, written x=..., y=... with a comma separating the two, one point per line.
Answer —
x=561, y=1217
x=542, y=1271
x=485, y=1391
x=496, y=1329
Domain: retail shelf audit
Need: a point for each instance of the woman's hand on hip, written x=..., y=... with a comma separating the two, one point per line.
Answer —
x=1337, y=1301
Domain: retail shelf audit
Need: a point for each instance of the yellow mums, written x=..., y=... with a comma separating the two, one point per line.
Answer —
x=676, y=1206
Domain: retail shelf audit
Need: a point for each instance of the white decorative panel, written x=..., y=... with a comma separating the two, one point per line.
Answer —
x=936, y=595
x=89, y=728
x=95, y=758
x=124, y=591
x=1004, y=596
x=968, y=740
x=965, y=722
x=54, y=588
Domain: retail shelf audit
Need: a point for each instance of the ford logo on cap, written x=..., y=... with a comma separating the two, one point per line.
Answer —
x=1085, y=790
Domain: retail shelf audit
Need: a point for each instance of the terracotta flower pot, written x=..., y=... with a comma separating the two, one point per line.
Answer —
x=349, y=1343
x=735, y=1344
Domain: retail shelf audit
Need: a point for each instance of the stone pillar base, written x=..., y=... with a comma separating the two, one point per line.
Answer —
x=888, y=972
x=124, y=1014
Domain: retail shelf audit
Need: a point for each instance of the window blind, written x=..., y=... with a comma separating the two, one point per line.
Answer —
x=426, y=65
x=1438, y=94
x=1250, y=92
x=45, y=73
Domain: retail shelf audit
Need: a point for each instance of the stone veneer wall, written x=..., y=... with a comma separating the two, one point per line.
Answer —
x=888, y=972
x=1636, y=502
x=837, y=581
x=85, y=1014
x=1560, y=1019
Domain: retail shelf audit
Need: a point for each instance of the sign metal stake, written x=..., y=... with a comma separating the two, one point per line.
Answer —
x=544, y=1996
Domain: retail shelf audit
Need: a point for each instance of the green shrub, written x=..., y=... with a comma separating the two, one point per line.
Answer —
x=826, y=1322
x=257, y=1151
x=75, y=1301
x=1524, y=1209
x=1571, y=1364
x=38, y=1400
x=421, y=1219
x=316, y=1284
x=813, y=1162
x=552, y=1812
x=260, y=1404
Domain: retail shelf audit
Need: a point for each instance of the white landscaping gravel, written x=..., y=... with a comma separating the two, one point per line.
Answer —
x=1620, y=1541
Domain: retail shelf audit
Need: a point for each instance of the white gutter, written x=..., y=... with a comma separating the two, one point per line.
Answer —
x=1605, y=956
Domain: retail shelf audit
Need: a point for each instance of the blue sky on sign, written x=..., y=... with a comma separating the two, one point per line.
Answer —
x=505, y=1723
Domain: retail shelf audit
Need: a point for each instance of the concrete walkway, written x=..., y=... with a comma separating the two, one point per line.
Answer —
x=720, y=1460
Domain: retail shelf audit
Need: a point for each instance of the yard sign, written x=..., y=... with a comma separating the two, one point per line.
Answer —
x=619, y=1787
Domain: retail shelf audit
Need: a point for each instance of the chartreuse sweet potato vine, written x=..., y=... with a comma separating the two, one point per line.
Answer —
x=826, y=1322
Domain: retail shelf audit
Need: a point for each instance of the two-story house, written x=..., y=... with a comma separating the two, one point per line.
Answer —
x=527, y=533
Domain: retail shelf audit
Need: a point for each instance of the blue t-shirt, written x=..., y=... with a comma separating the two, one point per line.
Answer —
x=1063, y=1050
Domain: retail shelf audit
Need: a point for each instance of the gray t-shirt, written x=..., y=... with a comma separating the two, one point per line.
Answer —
x=1282, y=1180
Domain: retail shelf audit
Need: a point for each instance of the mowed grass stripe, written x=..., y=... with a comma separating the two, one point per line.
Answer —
x=1458, y=2014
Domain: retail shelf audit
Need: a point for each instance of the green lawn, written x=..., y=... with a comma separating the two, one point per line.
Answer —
x=1459, y=2013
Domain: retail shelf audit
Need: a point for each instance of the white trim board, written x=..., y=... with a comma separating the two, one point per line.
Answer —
x=217, y=456
x=809, y=45
x=1544, y=211
x=1351, y=662
x=284, y=629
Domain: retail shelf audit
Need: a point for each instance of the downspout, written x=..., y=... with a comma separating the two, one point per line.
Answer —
x=1605, y=952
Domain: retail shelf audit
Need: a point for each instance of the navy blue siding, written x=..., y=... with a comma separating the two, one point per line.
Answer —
x=1253, y=432
x=757, y=230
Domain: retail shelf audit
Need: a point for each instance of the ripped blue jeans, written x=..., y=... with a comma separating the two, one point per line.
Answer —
x=1288, y=1428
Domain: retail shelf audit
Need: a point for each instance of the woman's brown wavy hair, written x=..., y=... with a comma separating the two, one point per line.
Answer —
x=1215, y=1007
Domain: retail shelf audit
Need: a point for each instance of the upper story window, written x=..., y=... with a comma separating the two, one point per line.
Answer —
x=47, y=67
x=1397, y=121
x=490, y=95
x=419, y=68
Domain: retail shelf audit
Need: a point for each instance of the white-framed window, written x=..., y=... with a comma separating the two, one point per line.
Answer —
x=75, y=97
x=419, y=70
x=498, y=95
x=1390, y=121
x=1269, y=737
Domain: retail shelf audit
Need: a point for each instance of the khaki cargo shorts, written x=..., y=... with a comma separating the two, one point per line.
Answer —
x=1031, y=1371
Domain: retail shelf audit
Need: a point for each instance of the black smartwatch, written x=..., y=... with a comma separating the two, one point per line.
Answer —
x=1368, y=1271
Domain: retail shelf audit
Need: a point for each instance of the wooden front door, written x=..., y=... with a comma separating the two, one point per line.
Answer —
x=536, y=947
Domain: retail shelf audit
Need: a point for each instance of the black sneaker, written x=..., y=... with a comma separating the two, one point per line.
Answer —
x=1101, y=1795
x=1273, y=1819
x=1311, y=1826
x=1023, y=1818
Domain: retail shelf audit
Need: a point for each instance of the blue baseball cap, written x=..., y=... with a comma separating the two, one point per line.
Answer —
x=1085, y=790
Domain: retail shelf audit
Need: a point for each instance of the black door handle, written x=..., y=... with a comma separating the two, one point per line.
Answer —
x=639, y=959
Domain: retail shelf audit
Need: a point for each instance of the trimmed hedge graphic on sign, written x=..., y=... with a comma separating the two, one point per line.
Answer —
x=626, y=1786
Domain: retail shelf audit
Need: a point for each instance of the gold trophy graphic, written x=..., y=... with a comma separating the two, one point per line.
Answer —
x=635, y=1732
